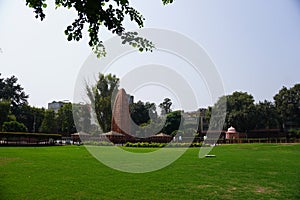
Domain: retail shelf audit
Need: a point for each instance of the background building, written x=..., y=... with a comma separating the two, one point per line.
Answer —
x=55, y=105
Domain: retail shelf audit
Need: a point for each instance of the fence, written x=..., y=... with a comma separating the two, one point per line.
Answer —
x=12, y=138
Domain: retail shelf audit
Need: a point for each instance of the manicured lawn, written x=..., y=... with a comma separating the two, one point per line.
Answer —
x=248, y=171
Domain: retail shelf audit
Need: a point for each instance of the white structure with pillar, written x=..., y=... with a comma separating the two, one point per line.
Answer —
x=231, y=133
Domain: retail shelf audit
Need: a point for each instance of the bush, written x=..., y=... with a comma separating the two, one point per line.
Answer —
x=96, y=143
x=294, y=133
x=14, y=126
x=145, y=145
x=160, y=145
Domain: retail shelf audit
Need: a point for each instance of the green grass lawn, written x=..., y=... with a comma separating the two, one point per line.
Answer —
x=247, y=171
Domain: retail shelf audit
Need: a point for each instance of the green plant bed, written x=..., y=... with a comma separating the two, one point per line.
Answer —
x=239, y=171
x=160, y=145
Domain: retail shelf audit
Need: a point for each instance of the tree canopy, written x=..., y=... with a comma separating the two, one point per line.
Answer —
x=49, y=124
x=65, y=121
x=266, y=115
x=240, y=110
x=172, y=123
x=14, y=126
x=101, y=96
x=165, y=106
x=142, y=112
x=11, y=91
x=4, y=112
x=287, y=102
x=109, y=14
x=82, y=117
x=31, y=117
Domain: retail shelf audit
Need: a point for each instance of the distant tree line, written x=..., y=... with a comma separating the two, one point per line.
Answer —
x=242, y=112
x=16, y=115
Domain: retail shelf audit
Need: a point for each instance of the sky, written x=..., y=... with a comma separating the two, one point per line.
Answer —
x=254, y=45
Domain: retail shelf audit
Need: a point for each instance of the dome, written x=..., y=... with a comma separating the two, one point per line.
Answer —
x=231, y=130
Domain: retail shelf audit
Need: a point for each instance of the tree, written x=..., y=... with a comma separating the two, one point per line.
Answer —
x=14, y=126
x=215, y=115
x=101, y=96
x=240, y=110
x=287, y=103
x=293, y=133
x=165, y=106
x=31, y=117
x=65, y=120
x=82, y=117
x=173, y=121
x=49, y=124
x=142, y=112
x=2, y=84
x=266, y=115
x=11, y=91
x=4, y=111
x=103, y=13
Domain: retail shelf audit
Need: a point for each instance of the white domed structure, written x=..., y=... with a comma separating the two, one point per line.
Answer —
x=231, y=133
x=231, y=130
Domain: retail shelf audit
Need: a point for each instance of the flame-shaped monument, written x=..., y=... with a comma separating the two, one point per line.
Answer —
x=120, y=114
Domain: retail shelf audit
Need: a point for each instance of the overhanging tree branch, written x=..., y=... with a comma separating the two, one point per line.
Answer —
x=99, y=13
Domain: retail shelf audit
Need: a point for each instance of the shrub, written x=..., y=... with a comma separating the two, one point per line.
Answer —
x=145, y=145
x=160, y=145
x=96, y=143
x=14, y=126
x=294, y=133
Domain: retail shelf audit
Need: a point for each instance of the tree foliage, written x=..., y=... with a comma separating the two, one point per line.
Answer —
x=142, y=112
x=11, y=91
x=49, y=124
x=266, y=116
x=109, y=14
x=14, y=126
x=4, y=111
x=101, y=96
x=287, y=102
x=165, y=106
x=82, y=117
x=65, y=121
x=172, y=123
x=31, y=117
x=294, y=133
x=240, y=111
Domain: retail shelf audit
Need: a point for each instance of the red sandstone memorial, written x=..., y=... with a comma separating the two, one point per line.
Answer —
x=120, y=114
x=120, y=123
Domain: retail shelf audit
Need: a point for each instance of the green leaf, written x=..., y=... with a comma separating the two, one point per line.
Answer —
x=167, y=1
x=70, y=37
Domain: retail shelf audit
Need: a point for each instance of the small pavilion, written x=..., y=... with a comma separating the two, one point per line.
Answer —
x=79, y=137
x=231, y=133
x=114, y=137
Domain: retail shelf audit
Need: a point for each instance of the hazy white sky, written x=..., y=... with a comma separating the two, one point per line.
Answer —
x=255, y=44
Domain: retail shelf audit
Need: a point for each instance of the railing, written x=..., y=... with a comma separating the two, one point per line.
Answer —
x=262, y=140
